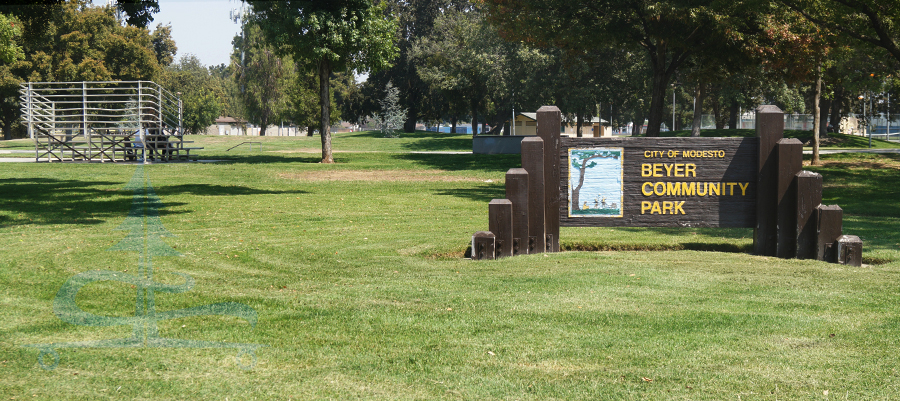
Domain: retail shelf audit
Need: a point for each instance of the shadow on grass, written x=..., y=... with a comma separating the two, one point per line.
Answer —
x=860, y=185
x=475, y=162
x=483, y=193
x=54, y=201
x=215, y=190
x=268, y=159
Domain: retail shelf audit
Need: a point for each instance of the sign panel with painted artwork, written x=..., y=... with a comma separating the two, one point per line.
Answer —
x=595, y=182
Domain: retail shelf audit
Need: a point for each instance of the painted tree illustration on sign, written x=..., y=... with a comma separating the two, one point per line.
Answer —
x=584, y=159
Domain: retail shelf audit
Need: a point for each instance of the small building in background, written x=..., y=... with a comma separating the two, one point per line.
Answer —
x=526, y=124
x=228, y=126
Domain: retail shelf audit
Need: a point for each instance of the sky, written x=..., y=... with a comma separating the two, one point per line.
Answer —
x=200, y=27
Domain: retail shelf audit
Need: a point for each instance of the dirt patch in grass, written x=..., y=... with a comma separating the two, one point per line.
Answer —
x=376, y=175
x=319, y=151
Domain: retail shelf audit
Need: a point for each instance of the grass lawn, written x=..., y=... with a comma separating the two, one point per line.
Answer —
x=356, y=273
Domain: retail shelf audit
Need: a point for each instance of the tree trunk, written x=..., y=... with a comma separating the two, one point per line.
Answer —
x=7, y=130
x=836, y=106
x=409, y=126
x=825, y=106
x=453, y=125
x=474, y=121
x=698, y=110
x=817, y=120
x=579, y=120
x=309, y=130
x=733, y=111
x=657, y=102
x=262, y=126
x=325, y=100
x=638, y=123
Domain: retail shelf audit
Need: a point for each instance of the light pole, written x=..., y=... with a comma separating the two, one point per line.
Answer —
x=673, y=107
x=866, y=122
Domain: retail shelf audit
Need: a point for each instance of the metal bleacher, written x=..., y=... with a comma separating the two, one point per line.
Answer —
x=104, y=121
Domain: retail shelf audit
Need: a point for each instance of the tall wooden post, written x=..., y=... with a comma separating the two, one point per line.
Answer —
x=790, y=160
x=769, y=129
x=809, y=197
x=533, y=163
x=517, y=193
x=501, y=224
x=549, y=120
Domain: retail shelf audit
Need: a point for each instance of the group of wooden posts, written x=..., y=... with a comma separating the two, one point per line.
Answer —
x=790, y=221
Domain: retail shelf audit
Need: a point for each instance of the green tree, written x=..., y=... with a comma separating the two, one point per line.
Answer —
x=329, y=36
x=670, y=32
x=875, y=22
x=391, y=117
x=163, y=44
x=10, y=33
x=75, y=42
x=416, y=20
x=263, y=76
x=200, y=91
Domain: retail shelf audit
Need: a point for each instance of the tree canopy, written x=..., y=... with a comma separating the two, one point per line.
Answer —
x=329, y=36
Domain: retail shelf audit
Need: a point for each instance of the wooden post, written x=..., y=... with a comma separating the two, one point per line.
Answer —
x=809, y=197
x=501, y=224
x=517, y=193
x=830, y=227
x=549, y=120
x=769, y=129
x=533, y=163
x=849, y=250
x=483, y=245
x=790, y=160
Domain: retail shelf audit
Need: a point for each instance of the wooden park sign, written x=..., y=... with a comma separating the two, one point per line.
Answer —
x=666, y=182
x=652, y=182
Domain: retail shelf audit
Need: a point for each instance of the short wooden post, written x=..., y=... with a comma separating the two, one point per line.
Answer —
x=809, y=197
x=790, y=160
x=533, y=163
x=849, y=250
x=483, y=245
x=830, y=227
x=769, y=129
x=517, y=193
x=501, y=224
x=549, y=121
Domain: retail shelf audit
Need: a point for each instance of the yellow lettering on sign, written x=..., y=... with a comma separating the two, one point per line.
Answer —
x=731, y=188
x=646, y=170
x=668, y=169
x=705, y=189
x=744, y=188
x=666, y=207
x=673, y=189
x=690, y=170
x=659, y=189
x=645, y=191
